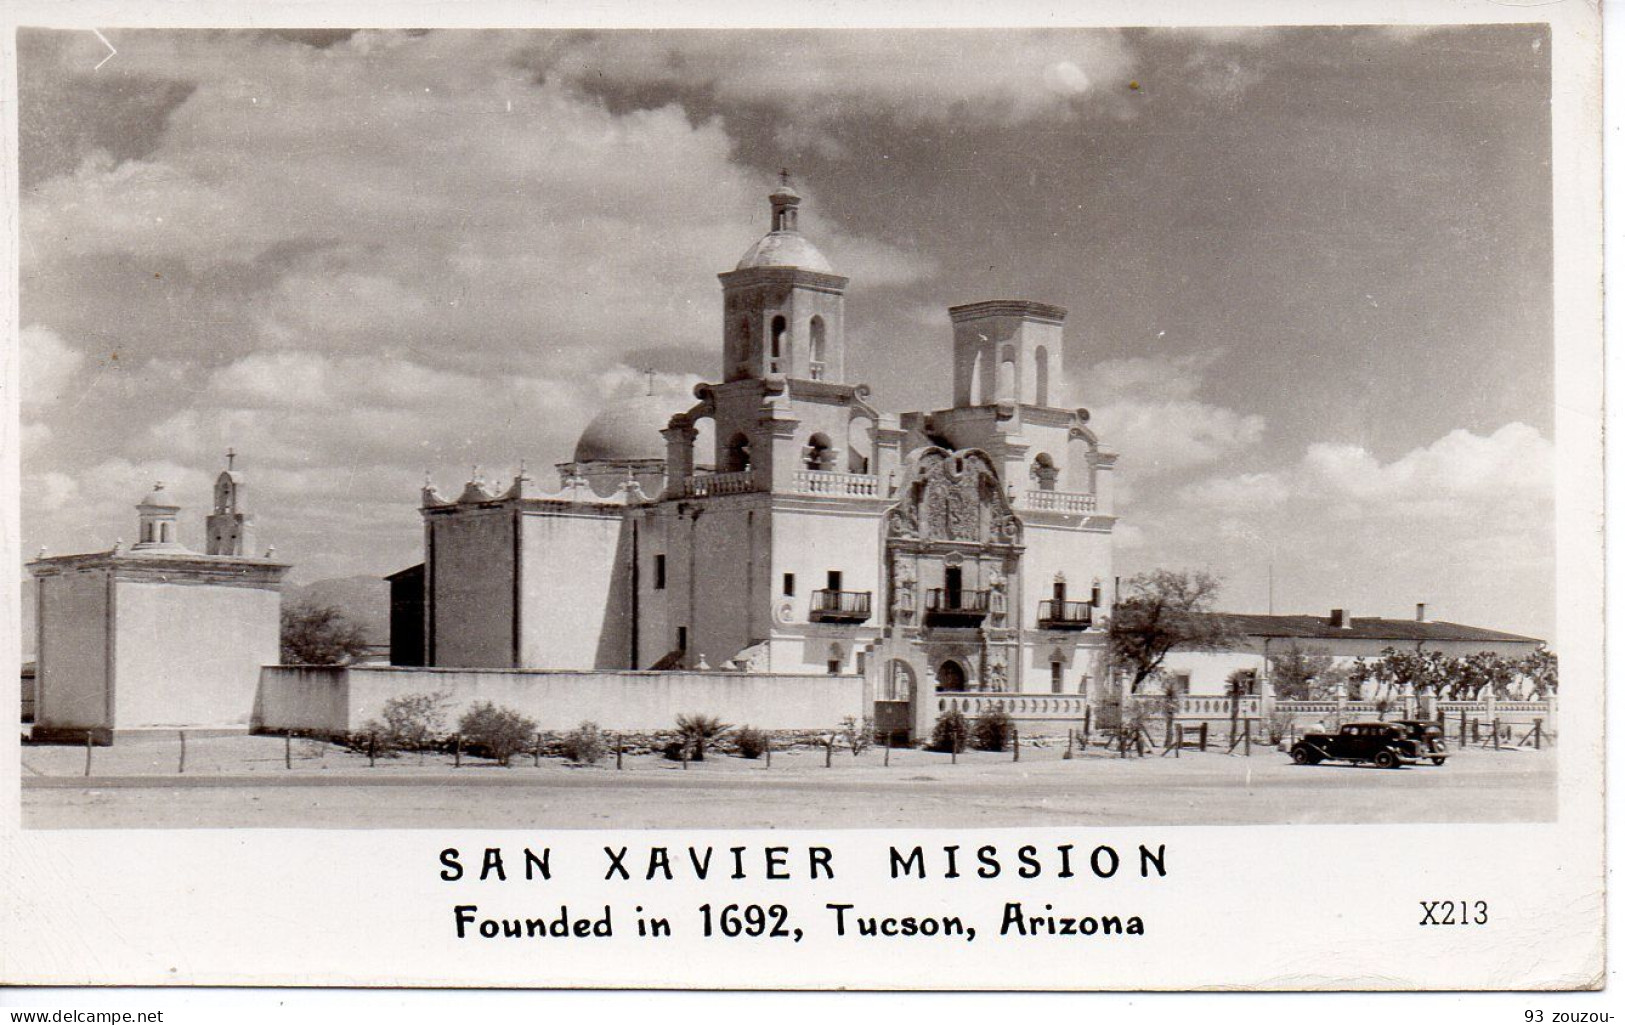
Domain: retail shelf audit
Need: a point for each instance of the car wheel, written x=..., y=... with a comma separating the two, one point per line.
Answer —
x=1437, y=761
x=1303, y=755
x=1386, y=759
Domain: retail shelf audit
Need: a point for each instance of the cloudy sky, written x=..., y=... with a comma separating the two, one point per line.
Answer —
x=1308, y=271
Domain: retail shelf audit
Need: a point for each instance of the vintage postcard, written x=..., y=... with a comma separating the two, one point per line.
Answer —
x=1098, y=497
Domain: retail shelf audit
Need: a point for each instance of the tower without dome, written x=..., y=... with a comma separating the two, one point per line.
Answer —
x=230, y=527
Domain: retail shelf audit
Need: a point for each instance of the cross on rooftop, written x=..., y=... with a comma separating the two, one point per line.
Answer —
x=231, y=458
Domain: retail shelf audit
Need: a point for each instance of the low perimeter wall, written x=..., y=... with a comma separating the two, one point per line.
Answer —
x=341, y=699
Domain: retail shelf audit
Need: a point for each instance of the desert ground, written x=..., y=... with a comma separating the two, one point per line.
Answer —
x=244, y=781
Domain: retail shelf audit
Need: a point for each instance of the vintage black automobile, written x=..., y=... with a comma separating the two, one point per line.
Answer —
x=1387, y=745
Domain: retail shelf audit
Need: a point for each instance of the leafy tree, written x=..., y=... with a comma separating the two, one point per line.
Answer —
x=319, y=635
x=1164, y=610
x=1539, y=669
x=1295, y=669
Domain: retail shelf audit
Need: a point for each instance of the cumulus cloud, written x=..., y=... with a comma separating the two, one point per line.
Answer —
x=1149, y=407
x=48, y=367
x=1464, y=522
x=1007, y=77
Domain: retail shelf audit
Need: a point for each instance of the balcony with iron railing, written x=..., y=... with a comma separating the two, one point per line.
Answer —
x=839, y=606
x=944, y=607
x=1056, y=614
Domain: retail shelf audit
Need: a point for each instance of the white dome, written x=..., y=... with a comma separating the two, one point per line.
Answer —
x=785, y=249
x=628, y=430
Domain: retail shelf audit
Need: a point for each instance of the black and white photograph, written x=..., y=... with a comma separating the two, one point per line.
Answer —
x=1015, y=453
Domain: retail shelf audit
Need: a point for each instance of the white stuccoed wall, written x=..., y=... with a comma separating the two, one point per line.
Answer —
x=321, y=699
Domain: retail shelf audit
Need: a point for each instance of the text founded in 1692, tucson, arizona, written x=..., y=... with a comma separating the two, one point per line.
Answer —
x=765, y=920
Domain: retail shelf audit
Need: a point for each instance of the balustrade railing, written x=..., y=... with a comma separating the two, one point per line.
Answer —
x=1019, y=706
x=828, y=482
x=1058, y=501
x=704, y=485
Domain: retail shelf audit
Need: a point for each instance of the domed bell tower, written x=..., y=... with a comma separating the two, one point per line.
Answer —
x=783, y=306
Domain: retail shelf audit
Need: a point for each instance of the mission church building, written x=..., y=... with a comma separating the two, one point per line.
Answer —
x=957, y=550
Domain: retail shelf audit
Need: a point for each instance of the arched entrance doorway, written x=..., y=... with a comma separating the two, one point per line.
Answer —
x=951, y=676
x=894, y=704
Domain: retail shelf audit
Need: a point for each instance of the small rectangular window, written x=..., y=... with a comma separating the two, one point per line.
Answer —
x=1060, y=590
x=834, y=580
x=660, y=572
x=790, y=584
x=682, y=638
x=1056, y=679
x=834, y=667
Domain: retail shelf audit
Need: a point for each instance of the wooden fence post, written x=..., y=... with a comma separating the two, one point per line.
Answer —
x=887, y=763
x=372, y=750
x=1015, y=744
x=829, y=750
x=685, y=755
x=1537, y=734
x=89, y=743
x=182, y=769
x=1088, y=714
x=1202, y=734
x=536, y=752
x=953, y=750
x=618, y=746
x=1495, y=724
x=287, y=749
x=770, y=752
x=457, y=751
x=1463, y=728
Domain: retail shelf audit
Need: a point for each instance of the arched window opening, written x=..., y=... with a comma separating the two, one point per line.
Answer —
x=860, y=440
x=978, y=385
x=815, y=331
x=820, y=454
x=1006, y=384
x=836, y=660
x=950, y=676
x=146, y=533
x=1041, y=376
x=737, y=458
x=163, y=533
x=779, y=344
x=1044, y=472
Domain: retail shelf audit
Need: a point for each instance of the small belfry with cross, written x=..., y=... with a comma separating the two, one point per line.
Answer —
x=229, y=527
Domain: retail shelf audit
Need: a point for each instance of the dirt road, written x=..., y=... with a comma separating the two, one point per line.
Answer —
x=918, y=789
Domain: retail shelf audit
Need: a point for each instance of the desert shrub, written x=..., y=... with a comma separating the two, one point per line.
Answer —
x=410, y=722
x=859, y=736
x=1277, y=725
x=497, y=732
x=696, y=733
x=951, y=732
x=992, y=730
x=585, y=745
x=750, y=742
